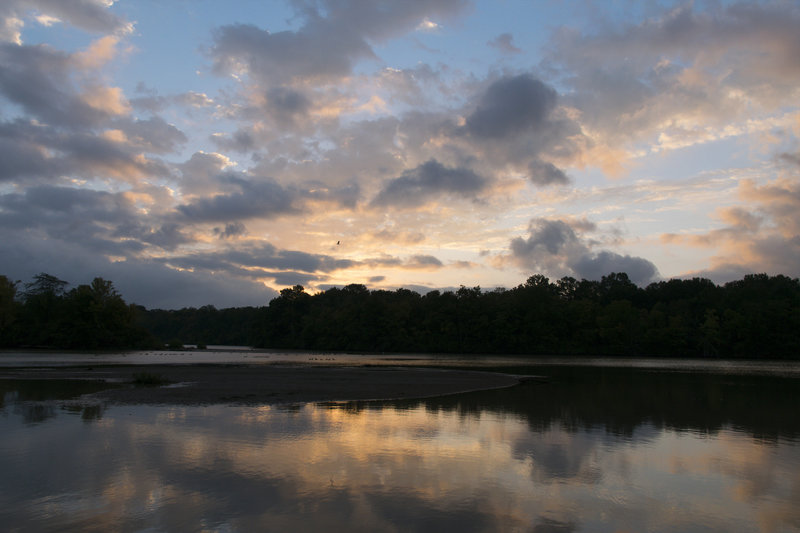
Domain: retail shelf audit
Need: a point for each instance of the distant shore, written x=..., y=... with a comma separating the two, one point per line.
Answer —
x=207, y=384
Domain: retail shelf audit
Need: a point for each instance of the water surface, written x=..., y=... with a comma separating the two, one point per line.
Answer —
x=597, y=448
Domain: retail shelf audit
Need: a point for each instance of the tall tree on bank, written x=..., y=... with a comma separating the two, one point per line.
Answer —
x=92, y=316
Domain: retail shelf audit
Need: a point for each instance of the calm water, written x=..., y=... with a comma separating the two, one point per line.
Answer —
x=597, y=448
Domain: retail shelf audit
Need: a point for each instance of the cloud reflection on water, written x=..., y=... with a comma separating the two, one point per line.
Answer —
x=389, y=469
x=666, y=452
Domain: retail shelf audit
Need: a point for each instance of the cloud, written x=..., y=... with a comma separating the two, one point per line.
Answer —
x=156, y=286
x=317, y=51
x=689, y=75
x=72, y=123
x=90, y=15
x=763, y=236
x=544, y=173
x=11, y=28
x=639, y=270
x=231, y=230
x=505, y=44
x=151, y=101
x=261, y=261
x=331, y=38
x=555, y=248
x=22, y=158
x=37, y=78
x=546, y=236
x=406, y=85
x=98, y=54
x=267, y=256
x=346, y=196
x=240, y=141
x=512, y=106
x=263, y=198
x=200, y=172
x=429, y=180
x=290, y=279
x=90, y=220
x=153, y=135
x=286, y=104
x=517, y=125
x=793, y=159
x=333, y=35
x=428, y=26
x=424, y=261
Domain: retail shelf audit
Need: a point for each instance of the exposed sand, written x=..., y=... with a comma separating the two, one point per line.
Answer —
x=269, y=384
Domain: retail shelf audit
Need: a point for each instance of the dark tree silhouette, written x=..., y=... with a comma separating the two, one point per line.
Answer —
x=755, y=317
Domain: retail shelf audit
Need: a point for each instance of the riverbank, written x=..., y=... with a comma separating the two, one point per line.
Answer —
x=263, y=384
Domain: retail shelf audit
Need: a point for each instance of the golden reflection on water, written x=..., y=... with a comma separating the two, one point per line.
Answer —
x=418, y=467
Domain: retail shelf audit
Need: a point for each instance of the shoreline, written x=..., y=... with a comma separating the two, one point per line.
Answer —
x=210, y=384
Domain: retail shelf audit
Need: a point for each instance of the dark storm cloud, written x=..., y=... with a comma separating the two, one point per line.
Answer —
x=255, y=199
x=546, y=236
x=37, y=204
x=418, y=186
x=545, y=173
x=512, y=106
x=639, y=270
x=505, y=43
x=555, y=248
x=156, y=286
x=88, y=220
x=333, y=36
x=37, y=78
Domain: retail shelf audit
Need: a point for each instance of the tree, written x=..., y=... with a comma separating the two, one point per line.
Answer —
x=8, y=310
x=98, y=317
x=42, y=316
x=45, y=285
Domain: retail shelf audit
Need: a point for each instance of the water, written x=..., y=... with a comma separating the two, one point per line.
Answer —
x=245, y=355
x=597, y=449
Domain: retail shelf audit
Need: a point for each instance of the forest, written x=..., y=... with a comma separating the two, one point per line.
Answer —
x=755, y=317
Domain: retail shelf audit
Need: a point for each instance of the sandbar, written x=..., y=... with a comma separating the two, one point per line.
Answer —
x=207, y=384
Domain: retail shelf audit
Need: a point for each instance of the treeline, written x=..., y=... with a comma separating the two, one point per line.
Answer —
x=43, y=314
x=758, y=316
x=755, y=317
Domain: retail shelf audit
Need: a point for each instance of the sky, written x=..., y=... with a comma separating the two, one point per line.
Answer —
x=196, y=152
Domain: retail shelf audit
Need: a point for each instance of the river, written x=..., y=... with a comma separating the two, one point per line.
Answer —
x=602, y=446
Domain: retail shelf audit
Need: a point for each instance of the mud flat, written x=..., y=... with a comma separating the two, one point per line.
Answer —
x=264, y=384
